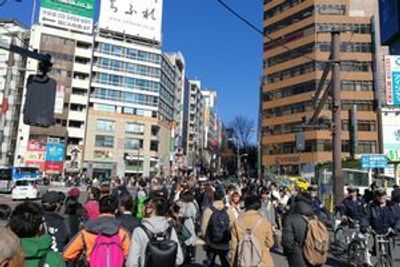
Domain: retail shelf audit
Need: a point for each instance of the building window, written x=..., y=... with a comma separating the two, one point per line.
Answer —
x=104, y=141
x=104, y=107
x=105, y=125
x=154, y=146
x=154, y=130
x=134, y=128
x=133, y=144
x=330, y=9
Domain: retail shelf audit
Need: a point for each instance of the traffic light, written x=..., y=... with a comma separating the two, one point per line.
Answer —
x=40, y=101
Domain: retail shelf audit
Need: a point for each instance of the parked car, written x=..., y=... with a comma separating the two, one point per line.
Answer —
x=28, y=189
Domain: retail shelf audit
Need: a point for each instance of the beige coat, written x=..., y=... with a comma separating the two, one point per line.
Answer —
x=219, y=205
x=263, y=233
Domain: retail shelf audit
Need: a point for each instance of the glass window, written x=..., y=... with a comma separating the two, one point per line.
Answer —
x=104, y=107
x=133, y=144
x=104, y=141
x=134, y=128
x=154, y=146
x=105, y=125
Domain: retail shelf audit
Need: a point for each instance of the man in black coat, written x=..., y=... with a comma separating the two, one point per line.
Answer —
x=295, y=230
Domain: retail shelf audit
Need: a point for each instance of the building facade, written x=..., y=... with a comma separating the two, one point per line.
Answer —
x=12, y=77
x=72, y=54
x=131, y=108
x=290, y=79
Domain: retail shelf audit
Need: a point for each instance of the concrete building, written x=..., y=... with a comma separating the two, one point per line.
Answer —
x=12, y=77
x=210, y=120
x=290, y=78
x=131, y=108
x=72, y=54
x=195, y=121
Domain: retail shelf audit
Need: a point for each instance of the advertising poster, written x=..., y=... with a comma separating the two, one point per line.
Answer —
x=392, y=83
x=35, y=154
x=59, y=104
x=142, y=18
x=55, y=152
x=74, y=15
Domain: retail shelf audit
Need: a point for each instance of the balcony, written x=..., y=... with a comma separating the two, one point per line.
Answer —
x=79, y=67
x=77, y=115
x=78, y=83
x=76, y=132
x=83, y=52
x=78, y=99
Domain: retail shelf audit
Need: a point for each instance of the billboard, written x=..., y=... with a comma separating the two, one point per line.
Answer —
x=36, y=152
x=389, y=20
x=74, y=15
x=142, y=18
x=392, y=80
x=55, y=152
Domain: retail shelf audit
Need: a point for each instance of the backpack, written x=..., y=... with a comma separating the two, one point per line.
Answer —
x=107, y=252
x=141, y=198
x=218, y=231
x=160, y=250
x=316, y=244
x=249, y=249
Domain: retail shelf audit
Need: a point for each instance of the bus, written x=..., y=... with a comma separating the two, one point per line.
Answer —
x=8, y=176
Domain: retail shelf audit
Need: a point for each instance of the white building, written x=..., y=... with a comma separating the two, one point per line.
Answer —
x=12, y=73
x=72, y=55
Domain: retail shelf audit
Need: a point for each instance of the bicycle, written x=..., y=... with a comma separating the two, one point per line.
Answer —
x=382, y=245
x=358, y=251
x=344, y=233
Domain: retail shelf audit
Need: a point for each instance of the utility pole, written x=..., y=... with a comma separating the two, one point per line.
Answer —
x=337, y=120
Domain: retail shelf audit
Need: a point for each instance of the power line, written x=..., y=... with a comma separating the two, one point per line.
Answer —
x=251, y=25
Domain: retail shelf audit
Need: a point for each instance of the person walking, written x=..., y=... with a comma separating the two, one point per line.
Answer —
x=92, y=204
x=105, y=230
x=189, y=212
x=295, y=230
x=216, y=223
x=125, y=213
x=154, y=224
x=251, y=223
x=11, y=253
x=27, y=223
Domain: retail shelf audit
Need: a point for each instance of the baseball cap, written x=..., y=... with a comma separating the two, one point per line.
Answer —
x=74, y=192
x=51, y=197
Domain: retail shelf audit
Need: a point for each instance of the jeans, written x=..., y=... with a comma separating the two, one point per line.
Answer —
x=212, y=256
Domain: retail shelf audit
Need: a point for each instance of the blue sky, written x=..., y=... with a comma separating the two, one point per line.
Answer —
x=219, y=50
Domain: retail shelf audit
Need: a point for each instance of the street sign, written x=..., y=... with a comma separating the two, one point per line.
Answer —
x=370, y=161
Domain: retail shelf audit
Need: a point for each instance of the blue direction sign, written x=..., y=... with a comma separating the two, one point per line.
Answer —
x=370, y=161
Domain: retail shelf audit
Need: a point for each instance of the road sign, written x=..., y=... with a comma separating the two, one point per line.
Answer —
x=370, y=161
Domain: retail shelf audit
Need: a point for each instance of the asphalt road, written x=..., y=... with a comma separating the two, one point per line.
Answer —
x=279, y=258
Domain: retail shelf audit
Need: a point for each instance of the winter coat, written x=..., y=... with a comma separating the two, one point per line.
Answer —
x=219, y=205
x=84, y=241
x=55, y=225
x=190, y=214
x=354, y=209
x=38, y=247
x=263, y=233
x=140, y=239
x=379, y=218
x=294, y=233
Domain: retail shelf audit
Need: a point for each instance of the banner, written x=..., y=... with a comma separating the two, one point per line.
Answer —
x=142, y=18
x=55, y=152
x=59, y=104
x=74, y=15
x=392, y=83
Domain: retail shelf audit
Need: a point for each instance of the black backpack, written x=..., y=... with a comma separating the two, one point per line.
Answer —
x=218, y=231
x=160, y=250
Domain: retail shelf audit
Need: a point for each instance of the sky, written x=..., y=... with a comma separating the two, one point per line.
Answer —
x=221, y=51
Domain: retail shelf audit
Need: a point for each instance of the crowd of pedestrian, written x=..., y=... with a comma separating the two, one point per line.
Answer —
x=154, y=223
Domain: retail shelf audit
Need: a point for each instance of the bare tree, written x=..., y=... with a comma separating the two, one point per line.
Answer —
x=243, y=128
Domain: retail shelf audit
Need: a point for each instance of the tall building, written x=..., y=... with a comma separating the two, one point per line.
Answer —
x=290, y=79
x=195, y=128
x=210, y=120
x=64, y=31
x=12, y=77
x=132, y=99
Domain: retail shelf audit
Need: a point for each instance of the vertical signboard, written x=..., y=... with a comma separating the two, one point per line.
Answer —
x=142, y=18
x=74, y=15
x=59, y=104
x=392, y=83
x=391, y=138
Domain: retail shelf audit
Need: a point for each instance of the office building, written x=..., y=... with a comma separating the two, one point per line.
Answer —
x=291, y=77
x=211, y=125
x=12, y=77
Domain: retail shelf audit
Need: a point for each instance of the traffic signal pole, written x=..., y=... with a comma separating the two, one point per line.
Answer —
x=337, y=120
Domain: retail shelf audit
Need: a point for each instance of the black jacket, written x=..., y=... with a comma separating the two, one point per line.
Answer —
x=294, y=233
x=55, y=225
